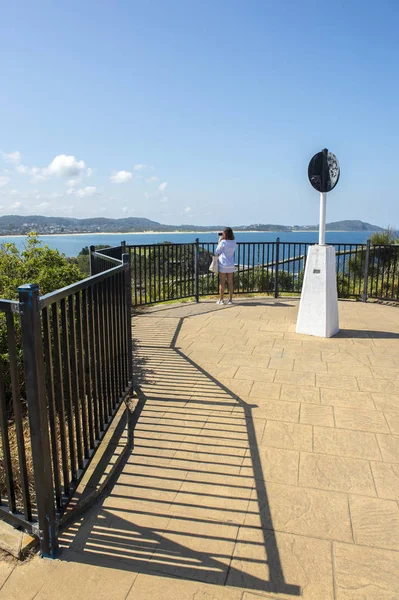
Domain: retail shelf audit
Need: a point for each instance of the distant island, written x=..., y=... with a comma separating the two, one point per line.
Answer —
x=20, y=225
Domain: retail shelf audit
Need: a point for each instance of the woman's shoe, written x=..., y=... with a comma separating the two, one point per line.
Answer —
x=220, y=302
x=230, y=301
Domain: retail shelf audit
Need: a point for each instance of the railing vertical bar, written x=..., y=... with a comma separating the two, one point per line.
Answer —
x=59, y=394
x=81, y=374
x=99, y=356
x=16, y=400
x=7, y=463
x=111, y=297
x=88, y=358
x=74, y=378
x=68, y=388
x=95, y=367
x=52, y=412
x=38, y=418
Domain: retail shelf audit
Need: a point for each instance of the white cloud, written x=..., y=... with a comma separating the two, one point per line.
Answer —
x=125, y=210
x=12, y=158
x=152, y=179
x=43, y=205
x=121, y=177
x=164, y=199
x=17, y=206
x=64, y=165
x=4, y=180
x=22, y=169
x=141, y=167
x=73, y=182
x=89, y=190
x=187, y=210
x=162, y=186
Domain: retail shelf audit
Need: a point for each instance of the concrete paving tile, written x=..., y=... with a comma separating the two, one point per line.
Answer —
x=163, y=587
x=195, y=549
x=274, y=325
x=227, y=503
x=300, y=393
x=386, y=402
x=386, y=373
x=336, y=473
x=239, y=348
x=375, y=522
x=6, y=568
x=268, y=391
x=393, y=422
x=275, y=410
x=341, y=442
x=361, y=420
x=78, y=577
x=295, y=378
x=302, y=355
x=290, y=436
x=343, y=357
x=28, y=578
x=346, y=398
x=271, y=464
x=353, y=370
x=236, y=386
x=310, y=366
x=265, y=349
x=386, y=477
x=240, y=360
x=332, y=381
x=255, y=374
x=389, y=445
x=379, y=386
x=300, y=510
x=388, y=362
x=282, y=364
x=363, y=573
x=282, y=564
x=315, y=414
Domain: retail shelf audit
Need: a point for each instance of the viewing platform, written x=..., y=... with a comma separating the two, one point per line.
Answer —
x=265, y=464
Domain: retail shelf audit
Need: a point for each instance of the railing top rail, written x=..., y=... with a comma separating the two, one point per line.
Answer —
x=110, y=259
x=165, y=244
x=9, y=306
x=109, y=248
x=79, y=286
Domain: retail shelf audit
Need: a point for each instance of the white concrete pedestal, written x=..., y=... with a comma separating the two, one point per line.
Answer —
x=318, y=308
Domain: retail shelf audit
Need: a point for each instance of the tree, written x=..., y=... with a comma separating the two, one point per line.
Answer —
x=36, y=263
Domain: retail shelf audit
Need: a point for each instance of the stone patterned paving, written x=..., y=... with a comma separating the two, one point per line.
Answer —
x=266, y=465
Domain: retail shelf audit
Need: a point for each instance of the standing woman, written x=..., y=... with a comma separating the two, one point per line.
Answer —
x=225, y=253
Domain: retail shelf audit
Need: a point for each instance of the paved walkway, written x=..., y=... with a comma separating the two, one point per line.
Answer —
x=266, y=465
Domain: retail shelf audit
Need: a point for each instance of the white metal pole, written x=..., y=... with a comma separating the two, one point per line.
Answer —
x=322, y=226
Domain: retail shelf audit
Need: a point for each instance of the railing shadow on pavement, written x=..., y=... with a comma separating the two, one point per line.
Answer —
x=193, y=481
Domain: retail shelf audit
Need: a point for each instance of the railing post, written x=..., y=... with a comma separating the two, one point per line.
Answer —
x=128, y=301
x=366, y=272
x=123, y=248
x=276, y=268
x=92, y=250
x=196, y=269
x=38, y=417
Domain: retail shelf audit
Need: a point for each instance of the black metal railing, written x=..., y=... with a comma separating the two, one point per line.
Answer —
x=72, y=349
x=163, y=272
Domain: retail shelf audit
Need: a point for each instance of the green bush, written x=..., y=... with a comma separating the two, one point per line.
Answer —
x=36, y=263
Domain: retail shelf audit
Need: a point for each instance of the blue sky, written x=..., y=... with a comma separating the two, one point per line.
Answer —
x=198, y=111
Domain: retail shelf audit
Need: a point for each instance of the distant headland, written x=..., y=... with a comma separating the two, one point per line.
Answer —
x=20, y=225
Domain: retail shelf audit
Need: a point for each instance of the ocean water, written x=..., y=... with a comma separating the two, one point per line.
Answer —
x=71, y=245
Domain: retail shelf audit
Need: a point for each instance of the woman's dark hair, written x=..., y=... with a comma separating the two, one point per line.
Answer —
x=228, y=234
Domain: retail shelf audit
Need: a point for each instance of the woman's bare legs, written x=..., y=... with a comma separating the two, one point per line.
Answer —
x=222, y=284
x=230, y=284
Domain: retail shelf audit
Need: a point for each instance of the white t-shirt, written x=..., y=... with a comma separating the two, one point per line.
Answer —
x=225, y=252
